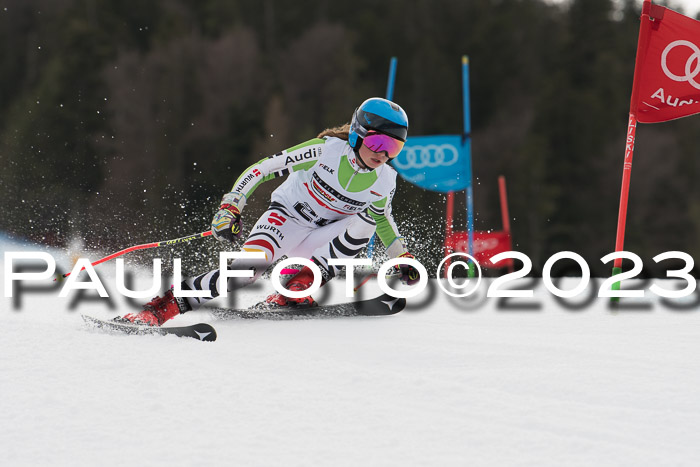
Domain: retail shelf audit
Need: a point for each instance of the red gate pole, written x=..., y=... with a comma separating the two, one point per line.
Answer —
x=449, y=224
x=505, y=217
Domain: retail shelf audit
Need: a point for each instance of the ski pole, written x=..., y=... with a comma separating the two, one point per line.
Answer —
x=145, y=246
x=372, y=275
x=365, y=280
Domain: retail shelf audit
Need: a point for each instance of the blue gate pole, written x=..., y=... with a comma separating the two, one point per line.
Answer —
x=466, y=137
x=392, y=79
x=389, y=96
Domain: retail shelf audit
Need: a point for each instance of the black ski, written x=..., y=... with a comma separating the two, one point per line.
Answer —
x=201, y=331
x=379, y=306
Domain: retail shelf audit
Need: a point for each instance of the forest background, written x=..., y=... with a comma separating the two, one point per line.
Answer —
x=125, y=122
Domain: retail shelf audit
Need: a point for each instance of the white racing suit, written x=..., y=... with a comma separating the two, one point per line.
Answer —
x=328, y=207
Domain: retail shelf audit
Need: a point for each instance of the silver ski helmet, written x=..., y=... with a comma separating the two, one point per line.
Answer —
x=380, y=115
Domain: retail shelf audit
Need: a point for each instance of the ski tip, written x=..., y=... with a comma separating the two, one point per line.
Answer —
x=389, y=305
x=204, y=332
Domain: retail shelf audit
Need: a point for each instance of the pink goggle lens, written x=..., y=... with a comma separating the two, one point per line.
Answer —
x=377, y=142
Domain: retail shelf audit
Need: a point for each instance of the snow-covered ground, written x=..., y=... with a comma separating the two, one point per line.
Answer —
x=447, y=382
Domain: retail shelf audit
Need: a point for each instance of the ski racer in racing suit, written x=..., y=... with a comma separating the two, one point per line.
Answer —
x=338, y=191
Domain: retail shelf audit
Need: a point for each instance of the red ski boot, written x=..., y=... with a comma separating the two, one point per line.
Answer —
x=301, y=281
x=157, y=311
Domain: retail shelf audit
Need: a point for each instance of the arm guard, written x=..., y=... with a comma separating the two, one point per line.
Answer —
x=386, y=227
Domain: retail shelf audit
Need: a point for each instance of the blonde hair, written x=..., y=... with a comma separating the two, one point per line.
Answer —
x=341, y=132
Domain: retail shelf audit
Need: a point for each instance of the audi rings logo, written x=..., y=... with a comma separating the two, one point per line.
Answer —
x=431, y=155
x=692, y=64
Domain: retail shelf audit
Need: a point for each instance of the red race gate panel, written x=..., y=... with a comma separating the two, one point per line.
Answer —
x=486, y=245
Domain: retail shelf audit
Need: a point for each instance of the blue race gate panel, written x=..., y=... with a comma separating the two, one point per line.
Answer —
x=437, y=163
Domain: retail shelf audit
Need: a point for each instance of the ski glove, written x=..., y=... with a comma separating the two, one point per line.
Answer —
x=407, y=273
x=226, y=226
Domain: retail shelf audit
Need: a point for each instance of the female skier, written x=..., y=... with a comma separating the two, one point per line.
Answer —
x=337, y=193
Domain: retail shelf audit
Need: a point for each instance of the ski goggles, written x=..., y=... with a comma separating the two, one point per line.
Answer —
x=378, y=142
